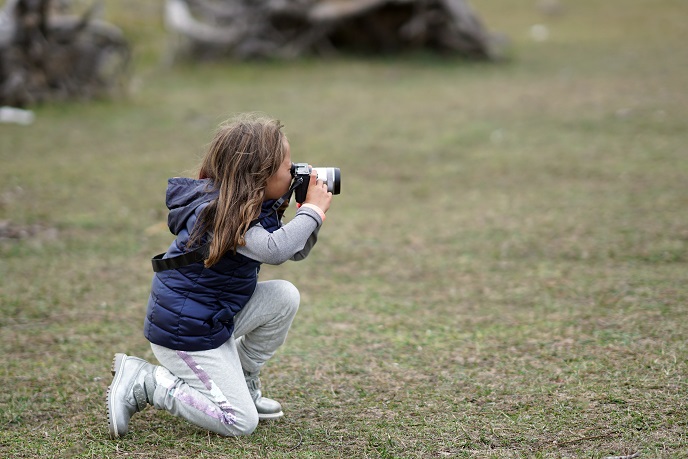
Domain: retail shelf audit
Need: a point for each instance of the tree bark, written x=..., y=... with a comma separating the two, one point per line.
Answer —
x=45, y=56
x=292, y=28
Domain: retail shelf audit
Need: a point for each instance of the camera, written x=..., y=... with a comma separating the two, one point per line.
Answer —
x=302, y=175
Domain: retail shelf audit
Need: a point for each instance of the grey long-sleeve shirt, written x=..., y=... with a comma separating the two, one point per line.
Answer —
x=292, y=241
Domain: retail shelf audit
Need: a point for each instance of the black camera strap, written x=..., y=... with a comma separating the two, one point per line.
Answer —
x=286, y=197
x=201, y=253
x=188, y=258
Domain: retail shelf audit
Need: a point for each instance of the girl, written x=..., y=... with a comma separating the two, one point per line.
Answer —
x=211, y=324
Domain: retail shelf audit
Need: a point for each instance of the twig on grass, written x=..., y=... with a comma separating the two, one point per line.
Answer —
x=591, y=437
x=630, y=456
x=299, y=443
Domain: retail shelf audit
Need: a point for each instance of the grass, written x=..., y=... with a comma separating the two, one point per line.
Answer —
x=503, y=275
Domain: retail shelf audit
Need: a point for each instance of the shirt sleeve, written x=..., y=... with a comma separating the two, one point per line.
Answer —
x=292, y=241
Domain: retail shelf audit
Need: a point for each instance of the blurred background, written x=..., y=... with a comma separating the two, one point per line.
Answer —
x=503, y=274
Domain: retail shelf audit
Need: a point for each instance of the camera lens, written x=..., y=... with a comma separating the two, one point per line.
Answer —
x=331, y=176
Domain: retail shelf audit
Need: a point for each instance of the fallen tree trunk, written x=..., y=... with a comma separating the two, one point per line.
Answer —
x=285, y=29
x=46, y=56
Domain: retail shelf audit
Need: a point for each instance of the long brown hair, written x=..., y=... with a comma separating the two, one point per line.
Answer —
x=245, y=152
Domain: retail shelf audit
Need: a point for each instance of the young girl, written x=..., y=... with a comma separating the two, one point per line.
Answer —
x=211, y=324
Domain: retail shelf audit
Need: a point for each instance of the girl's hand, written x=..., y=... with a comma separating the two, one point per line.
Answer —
x=317, y=193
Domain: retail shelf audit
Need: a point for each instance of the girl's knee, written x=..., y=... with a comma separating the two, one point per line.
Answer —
x=289, y=294
x=248, y=425
x=245, y=425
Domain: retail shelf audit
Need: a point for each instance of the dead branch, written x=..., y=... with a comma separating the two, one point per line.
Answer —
x=292, y=28
x=47, y=56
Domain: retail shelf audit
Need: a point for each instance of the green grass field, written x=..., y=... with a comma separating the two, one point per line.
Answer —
x=503, y=275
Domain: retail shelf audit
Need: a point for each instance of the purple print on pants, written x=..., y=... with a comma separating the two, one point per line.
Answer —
x=226, y=413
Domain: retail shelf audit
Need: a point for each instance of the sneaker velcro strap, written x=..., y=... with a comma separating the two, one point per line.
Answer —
x=140, y=397
x=253, y=384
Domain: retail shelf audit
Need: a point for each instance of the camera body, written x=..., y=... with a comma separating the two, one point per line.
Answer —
x=329, y=175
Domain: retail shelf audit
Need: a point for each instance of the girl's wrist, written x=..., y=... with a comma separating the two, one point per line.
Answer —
x=315, y=208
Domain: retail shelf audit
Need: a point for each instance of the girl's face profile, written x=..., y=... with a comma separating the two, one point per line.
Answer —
x=279, y=182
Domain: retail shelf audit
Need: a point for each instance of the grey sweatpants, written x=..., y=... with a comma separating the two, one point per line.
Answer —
x=207, y=388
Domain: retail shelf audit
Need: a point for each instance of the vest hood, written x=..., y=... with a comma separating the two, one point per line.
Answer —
x=184, y=196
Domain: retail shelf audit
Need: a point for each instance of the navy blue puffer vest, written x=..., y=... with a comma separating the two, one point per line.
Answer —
x=192, y=308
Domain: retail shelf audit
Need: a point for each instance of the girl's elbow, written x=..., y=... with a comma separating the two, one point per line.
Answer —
x=298, y=256
x=277, y=259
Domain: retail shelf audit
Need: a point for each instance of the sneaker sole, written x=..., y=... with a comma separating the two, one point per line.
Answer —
x=117, y=364
x=270, y=417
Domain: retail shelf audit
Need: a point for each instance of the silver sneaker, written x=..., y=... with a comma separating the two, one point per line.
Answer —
x=267, y=407
x=130, y=392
